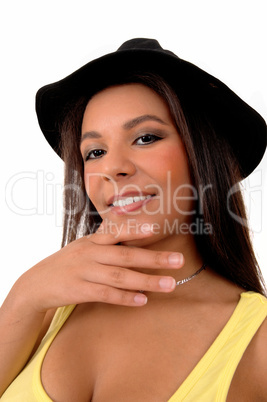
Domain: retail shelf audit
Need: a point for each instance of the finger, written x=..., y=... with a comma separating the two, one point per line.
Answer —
x=107, y=294
x=133, y=257
x=131, y=280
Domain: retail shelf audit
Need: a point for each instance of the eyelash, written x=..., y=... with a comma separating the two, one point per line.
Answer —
x=153, y=138
x=91, y=152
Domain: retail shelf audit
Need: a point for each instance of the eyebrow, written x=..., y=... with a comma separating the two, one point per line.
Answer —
x=141, y=119
x=126, y=126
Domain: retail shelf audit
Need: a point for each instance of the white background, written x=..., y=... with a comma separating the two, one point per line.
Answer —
x=43, y=41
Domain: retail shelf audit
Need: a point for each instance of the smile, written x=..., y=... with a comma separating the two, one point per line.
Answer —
x=130, y=200
x=128, y=203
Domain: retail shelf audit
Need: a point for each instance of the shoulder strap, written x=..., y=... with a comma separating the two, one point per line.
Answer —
x=211, y=378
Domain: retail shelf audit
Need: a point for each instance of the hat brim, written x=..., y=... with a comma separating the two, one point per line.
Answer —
x=244, y=128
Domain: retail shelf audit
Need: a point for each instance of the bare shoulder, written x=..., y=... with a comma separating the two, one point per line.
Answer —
x=257, y=352
x=250, y=376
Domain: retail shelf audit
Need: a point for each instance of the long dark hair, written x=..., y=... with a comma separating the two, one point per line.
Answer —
x=227, y=247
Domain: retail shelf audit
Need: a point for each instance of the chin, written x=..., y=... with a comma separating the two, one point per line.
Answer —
x=155, y=242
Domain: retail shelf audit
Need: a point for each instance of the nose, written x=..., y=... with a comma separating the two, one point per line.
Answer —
x=118, y=164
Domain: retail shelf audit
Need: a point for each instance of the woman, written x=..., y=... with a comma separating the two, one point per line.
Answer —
x=154, y=149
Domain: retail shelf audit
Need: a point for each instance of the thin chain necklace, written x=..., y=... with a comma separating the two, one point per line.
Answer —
x=192, y=276
x=189, y=278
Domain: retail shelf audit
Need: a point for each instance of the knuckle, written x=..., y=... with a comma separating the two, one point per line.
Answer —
x=124, y=298
x=149, y=283
x=158, y=258
x=104, y=294
x=126, y=254
x=117, y=275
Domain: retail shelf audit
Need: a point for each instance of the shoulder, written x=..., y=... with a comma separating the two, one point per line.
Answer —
x=256, y=361
x=250, y=375
x=257, y=357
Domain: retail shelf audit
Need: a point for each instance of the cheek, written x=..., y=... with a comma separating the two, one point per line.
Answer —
x=91, y=183
x=171, y=165
x=173, y=176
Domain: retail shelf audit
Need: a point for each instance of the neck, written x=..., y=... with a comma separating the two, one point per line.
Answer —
x=182, y=244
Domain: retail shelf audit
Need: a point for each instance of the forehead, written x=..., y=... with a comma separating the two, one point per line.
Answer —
x=126, y=99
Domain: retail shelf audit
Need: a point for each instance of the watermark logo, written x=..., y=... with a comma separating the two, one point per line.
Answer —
x=176, y=227
x=38, y=193
x=252, y=191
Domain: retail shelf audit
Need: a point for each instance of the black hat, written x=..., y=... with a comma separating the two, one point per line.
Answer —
x=244, y=128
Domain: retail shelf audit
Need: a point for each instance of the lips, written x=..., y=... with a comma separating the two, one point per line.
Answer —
x=129, y=202
x=128, y=198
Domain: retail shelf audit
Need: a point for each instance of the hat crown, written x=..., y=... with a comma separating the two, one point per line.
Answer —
x=140, y=43
x=195, y=88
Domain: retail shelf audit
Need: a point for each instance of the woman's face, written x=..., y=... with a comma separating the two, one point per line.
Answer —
x=135, y=165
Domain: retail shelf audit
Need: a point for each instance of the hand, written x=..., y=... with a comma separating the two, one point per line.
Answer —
x=96, y=269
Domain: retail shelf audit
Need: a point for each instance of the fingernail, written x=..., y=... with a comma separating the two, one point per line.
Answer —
x=140, y=299
x=167, y=283
x=175, y=258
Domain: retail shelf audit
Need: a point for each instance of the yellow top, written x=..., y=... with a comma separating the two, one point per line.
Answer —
x=208, y=382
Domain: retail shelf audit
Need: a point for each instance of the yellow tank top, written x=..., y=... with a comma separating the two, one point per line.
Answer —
x=208, y=382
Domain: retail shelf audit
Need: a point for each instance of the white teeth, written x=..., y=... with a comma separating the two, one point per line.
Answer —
x=130, y=200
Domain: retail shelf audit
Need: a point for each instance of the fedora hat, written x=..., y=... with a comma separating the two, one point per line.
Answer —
x=243, y=127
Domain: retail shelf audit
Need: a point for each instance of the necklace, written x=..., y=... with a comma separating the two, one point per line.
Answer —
x=188, y=278
x=192, y=276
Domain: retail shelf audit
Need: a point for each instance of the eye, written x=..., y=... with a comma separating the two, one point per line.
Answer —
x=147, y=139
x=95, y=154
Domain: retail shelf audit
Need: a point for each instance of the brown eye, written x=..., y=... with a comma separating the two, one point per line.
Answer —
x=147, y=139
x=95, y=154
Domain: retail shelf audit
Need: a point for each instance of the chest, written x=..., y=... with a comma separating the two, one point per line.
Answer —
x=111, y=354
